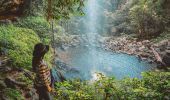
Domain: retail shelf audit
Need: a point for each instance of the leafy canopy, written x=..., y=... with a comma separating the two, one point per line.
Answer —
x=58, y=9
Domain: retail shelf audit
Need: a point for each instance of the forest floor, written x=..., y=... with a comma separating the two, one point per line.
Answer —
x=15, y=83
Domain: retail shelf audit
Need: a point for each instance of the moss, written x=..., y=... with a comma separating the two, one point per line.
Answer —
x=18, y=44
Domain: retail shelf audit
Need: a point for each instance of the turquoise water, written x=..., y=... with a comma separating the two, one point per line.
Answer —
x=88, y=61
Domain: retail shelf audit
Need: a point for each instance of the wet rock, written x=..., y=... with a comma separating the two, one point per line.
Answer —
x=63, y=66
x=168, y=47
x=150, y=61
x=64, y=47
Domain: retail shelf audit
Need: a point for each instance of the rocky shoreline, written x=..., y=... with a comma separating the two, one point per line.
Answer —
x=141, y=49
x=128, y=45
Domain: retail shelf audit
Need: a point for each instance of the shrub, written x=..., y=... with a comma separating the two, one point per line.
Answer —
x=150, y=18
x=153, y=85
x=38, y=25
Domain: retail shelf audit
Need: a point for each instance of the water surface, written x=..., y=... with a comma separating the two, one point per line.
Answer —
x=88, y=61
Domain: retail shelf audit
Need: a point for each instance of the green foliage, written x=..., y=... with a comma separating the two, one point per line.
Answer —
x=59, y=9
x=49, y=57
x=146, y=18
x=22, y=78
x=150, y=18
x=35, y=7
x=153, y=85
x=38, y=25
x=18, y=44
x=163, y=36
x=74, y=90
x=12, y=94
x=56, y=9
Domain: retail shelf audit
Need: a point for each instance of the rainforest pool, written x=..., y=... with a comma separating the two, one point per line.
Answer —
x=89, y=61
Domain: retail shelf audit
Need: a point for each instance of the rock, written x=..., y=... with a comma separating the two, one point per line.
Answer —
x=145, y=41
x=12, y=83
x=143, y=54
x=150, y=61
x=166, y=58
x=9, y=9
x=6, y=21
x=32, y=94
x=167, y=51
x=167, y=97
x=168, y=47
x=139, y=43
x=2, y=85
x=29, y=94
x=64, y=47
x=160, y=65
x=9, y=83
x=5, y=69
x=141, y=48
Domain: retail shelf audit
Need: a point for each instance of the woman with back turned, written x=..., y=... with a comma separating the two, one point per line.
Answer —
x=42, y=80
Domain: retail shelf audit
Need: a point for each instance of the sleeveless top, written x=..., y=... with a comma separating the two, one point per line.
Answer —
x=43, y=75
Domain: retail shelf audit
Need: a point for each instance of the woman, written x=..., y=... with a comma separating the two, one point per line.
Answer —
x=43, y=75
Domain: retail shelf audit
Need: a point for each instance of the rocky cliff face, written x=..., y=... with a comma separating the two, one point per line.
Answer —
x=11, y=8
